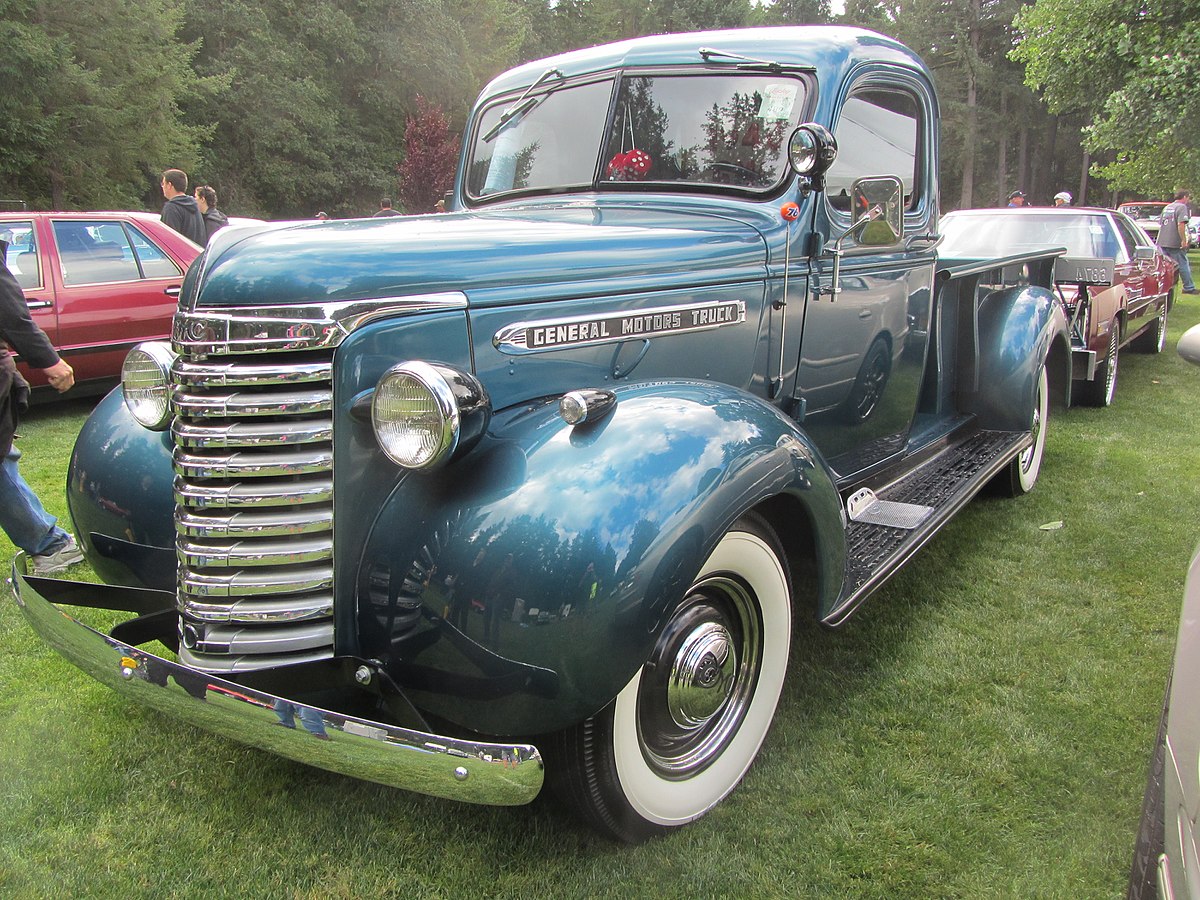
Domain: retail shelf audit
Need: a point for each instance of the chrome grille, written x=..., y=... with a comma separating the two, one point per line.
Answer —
x=253, y=439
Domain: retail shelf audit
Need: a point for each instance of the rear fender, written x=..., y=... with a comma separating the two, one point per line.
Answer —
x=1019, y=329
x=520, y=589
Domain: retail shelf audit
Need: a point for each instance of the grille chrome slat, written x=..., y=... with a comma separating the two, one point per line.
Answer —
x=253, y=458
x=290, y=609
x=251, y=403
x=287, y=493
x=276, y=523
x=252, y=434
x=299, y=461
x=243, y=583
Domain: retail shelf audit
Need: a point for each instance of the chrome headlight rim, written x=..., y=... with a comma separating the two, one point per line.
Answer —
x=431, y=379
x=811, y=149
x=146, y=383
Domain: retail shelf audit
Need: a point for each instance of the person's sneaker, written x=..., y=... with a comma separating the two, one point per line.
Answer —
x=56, y=560
x=1193, y=291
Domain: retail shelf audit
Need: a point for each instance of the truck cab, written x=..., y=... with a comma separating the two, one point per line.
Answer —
x=536, y=488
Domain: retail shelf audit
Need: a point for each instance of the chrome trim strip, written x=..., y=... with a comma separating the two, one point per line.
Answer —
x=546, y=335
x=265, y=329
x=236, y=639
x=473, y=771
x=292, y=609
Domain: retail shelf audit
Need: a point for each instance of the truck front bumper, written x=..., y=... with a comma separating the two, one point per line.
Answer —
x=488, y=773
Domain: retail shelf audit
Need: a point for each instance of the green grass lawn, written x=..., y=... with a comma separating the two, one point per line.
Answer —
x=980, y=729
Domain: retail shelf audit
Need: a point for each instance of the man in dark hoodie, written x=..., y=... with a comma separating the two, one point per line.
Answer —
x=24, y=520
x=214, y=219
x=181, y=211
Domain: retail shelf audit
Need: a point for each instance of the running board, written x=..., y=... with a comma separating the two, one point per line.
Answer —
x=917, y=504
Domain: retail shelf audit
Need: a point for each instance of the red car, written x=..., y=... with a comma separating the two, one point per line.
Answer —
x=1147, y=214
x=1126, y=307
x=97, y=283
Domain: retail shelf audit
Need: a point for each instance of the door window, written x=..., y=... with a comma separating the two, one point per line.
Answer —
x=878, y=133
x=94, y=253
x=154, y=262
x=21, y=256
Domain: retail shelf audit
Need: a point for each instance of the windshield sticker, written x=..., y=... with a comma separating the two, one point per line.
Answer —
x=582, y=331
x=778, y=102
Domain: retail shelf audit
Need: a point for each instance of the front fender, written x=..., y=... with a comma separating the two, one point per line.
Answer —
x=546, y=559
x=119, y=493
x=1020, y=329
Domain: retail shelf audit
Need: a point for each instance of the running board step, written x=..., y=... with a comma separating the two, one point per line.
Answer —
x=926, y=498
x=864, y=506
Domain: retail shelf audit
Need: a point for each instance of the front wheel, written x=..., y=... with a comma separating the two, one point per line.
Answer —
x=686, y=727
x=1154, y=339
x=1022, y=473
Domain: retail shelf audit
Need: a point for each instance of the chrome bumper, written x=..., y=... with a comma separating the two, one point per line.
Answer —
x=495, y=774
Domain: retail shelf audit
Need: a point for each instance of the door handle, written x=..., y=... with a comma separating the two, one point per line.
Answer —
x=172, y=291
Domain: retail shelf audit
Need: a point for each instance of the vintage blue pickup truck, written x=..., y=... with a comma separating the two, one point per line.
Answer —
x=535, y=489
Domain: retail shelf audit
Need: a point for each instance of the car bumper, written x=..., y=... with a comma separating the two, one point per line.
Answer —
x=487, y=773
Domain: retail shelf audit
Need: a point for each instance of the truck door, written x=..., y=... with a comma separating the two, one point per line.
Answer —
x=863, y=348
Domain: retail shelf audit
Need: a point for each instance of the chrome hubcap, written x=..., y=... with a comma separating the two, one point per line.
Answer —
x=702, y=676
x=699, y=682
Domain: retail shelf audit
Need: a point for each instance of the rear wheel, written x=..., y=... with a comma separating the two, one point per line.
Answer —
x=686, y=727
x=1022, y=473
x=1102, y=390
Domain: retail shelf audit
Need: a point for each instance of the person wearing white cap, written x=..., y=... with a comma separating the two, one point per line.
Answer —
x=1062, y=198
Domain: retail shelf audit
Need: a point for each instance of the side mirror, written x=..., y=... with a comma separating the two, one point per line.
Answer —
x=879, y=203
x=1145, y=254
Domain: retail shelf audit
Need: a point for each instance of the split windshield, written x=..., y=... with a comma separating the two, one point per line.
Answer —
x=727, y=130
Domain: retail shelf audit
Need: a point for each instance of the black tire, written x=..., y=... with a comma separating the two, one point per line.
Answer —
x=1022, y=473
x=1143, y=874
x=870, y=383
x=1154, y=338
x=687, y=726
x=1102, y=390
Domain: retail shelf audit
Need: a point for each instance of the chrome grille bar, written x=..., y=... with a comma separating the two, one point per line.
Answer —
x=254, y=508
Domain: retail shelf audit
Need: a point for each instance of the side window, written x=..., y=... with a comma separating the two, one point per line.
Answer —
x=155, y=263
x=1130, y=238
x=22, y=254
x=878, y=133
x=94, y=253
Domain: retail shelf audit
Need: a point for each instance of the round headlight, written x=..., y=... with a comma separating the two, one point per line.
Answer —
x=811, y=149
x=422, y=413
x=146, y=380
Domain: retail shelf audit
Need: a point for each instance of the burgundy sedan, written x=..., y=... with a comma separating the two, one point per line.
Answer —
x=97, y=283
x=1127, y=307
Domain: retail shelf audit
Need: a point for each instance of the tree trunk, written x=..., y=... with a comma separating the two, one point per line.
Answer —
x=1081, y=197
x=1002, y=187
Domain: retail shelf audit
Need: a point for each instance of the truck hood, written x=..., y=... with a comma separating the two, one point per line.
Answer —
x=494, y=256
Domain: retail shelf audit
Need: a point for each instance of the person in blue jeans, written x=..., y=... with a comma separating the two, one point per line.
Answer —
x=1173, y=236
x=22, y=515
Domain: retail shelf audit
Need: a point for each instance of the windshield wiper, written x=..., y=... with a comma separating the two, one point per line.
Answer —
x=523, y=104
x=750, y=62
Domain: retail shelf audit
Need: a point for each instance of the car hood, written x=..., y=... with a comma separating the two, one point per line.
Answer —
x=494, y=256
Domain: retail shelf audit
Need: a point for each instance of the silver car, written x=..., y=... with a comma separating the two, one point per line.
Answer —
x=1166, y=858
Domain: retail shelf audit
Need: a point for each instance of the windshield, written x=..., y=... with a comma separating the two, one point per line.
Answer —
x=726, y=130
x=1000, y=234
x=1143, y=210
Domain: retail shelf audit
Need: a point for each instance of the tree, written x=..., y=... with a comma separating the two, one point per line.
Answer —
x=1129, y=66
x=91, y=101
x=430, y=158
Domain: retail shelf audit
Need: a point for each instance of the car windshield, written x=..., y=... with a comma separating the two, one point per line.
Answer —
x=727, y=130
x=1143, y=210
x=975, y=236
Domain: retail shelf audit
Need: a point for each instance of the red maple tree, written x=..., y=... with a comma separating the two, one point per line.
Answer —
x=430, y=158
